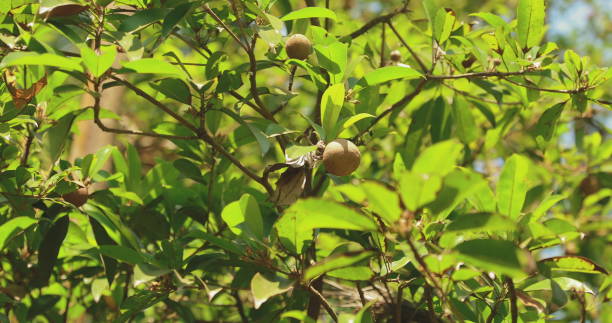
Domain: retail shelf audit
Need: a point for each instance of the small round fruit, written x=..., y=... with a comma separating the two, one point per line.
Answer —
x=341, y=157
x=298, y=47
x=78, y=197
x=590, y=185
x=396, y=56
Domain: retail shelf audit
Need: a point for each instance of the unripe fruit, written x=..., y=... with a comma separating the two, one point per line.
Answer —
x=298, y=47
x=396, y=56
x=341, y=157
x=78, y=197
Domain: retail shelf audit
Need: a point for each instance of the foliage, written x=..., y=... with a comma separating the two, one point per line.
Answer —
x=483, y=192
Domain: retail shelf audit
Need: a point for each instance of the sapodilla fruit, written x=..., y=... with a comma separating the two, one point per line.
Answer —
x=341, y=157
x=78, y=197
x=298, y=46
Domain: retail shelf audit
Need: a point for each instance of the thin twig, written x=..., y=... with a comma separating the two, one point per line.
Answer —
x=214, y=15
x=28, y=145
x=379, y=19
x=412, y=52
x=582, y=89
x=469, y=95
x=382, y=45
x=289, y=88
x=324, y=302
x=512, y=292
x=399, y=104
x=158, y=104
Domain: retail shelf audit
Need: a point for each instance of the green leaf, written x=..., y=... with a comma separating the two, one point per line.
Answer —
x=98, y=64
x=55, y=137
x=565, y=283
x=547, y=124
x=331, y=105
x=480, y=222
x=189, y=169
x=530, y=26
x=457, y=186
x=545, y=205
x=439, y=159
x=443, y=24
x=49, y=250
x=512, y=186
x=491, y=19
x=335, y=262
x=465, y=124
x=46, y=59
x=174, y=17
x=154, y=66
x=263, y=287
x=333, y=58
x=295, y=226
x=243, y=216
x=382, y=201
x=141, y=19
x=219, y=242
x=310, y=12
x=121, y=253
x=354, y=119
x=387, y=73
x=141, y=300
x=416, y=190
x=575, y=264
x=499, y=256
x=13, y=227
x=352, y=273
x=174, y=89
x=296, y=151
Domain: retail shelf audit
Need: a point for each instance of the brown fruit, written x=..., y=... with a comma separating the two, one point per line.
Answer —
x=298, y=46
x=78, y=197
x=396, y=56
x=590, y=185
x=341, y=157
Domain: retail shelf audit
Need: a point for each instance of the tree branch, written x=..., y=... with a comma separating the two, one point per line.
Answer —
x=324, y=302
x=582, y=89
x=399, y=104
x=216, y=18
x=158, y=104
x=379, y=19
x=413, y=53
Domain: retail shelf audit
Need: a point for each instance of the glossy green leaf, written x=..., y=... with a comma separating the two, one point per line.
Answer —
x=262, y=287
x=530, y=26
x=443, y=24
x=12, y=227
x=46, y=59
x=465, y=124
x=498, y=256
x=141, y=19
x=388, y=73
x=439, y=159
x=417, y=190
x=512, y=186
x=174, y=17
x=382, y=201
x=335, y=262
x=310, y=12
x=576, y=264
x=295, y=226
x=153, y=66
x=96, y=63
x=331, y=105
x=49, y=249
x=353, y=273
x=121, y=253
x=483, y=222
x=244, y=217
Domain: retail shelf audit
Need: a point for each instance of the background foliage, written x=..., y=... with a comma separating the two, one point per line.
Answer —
x=483, y=193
